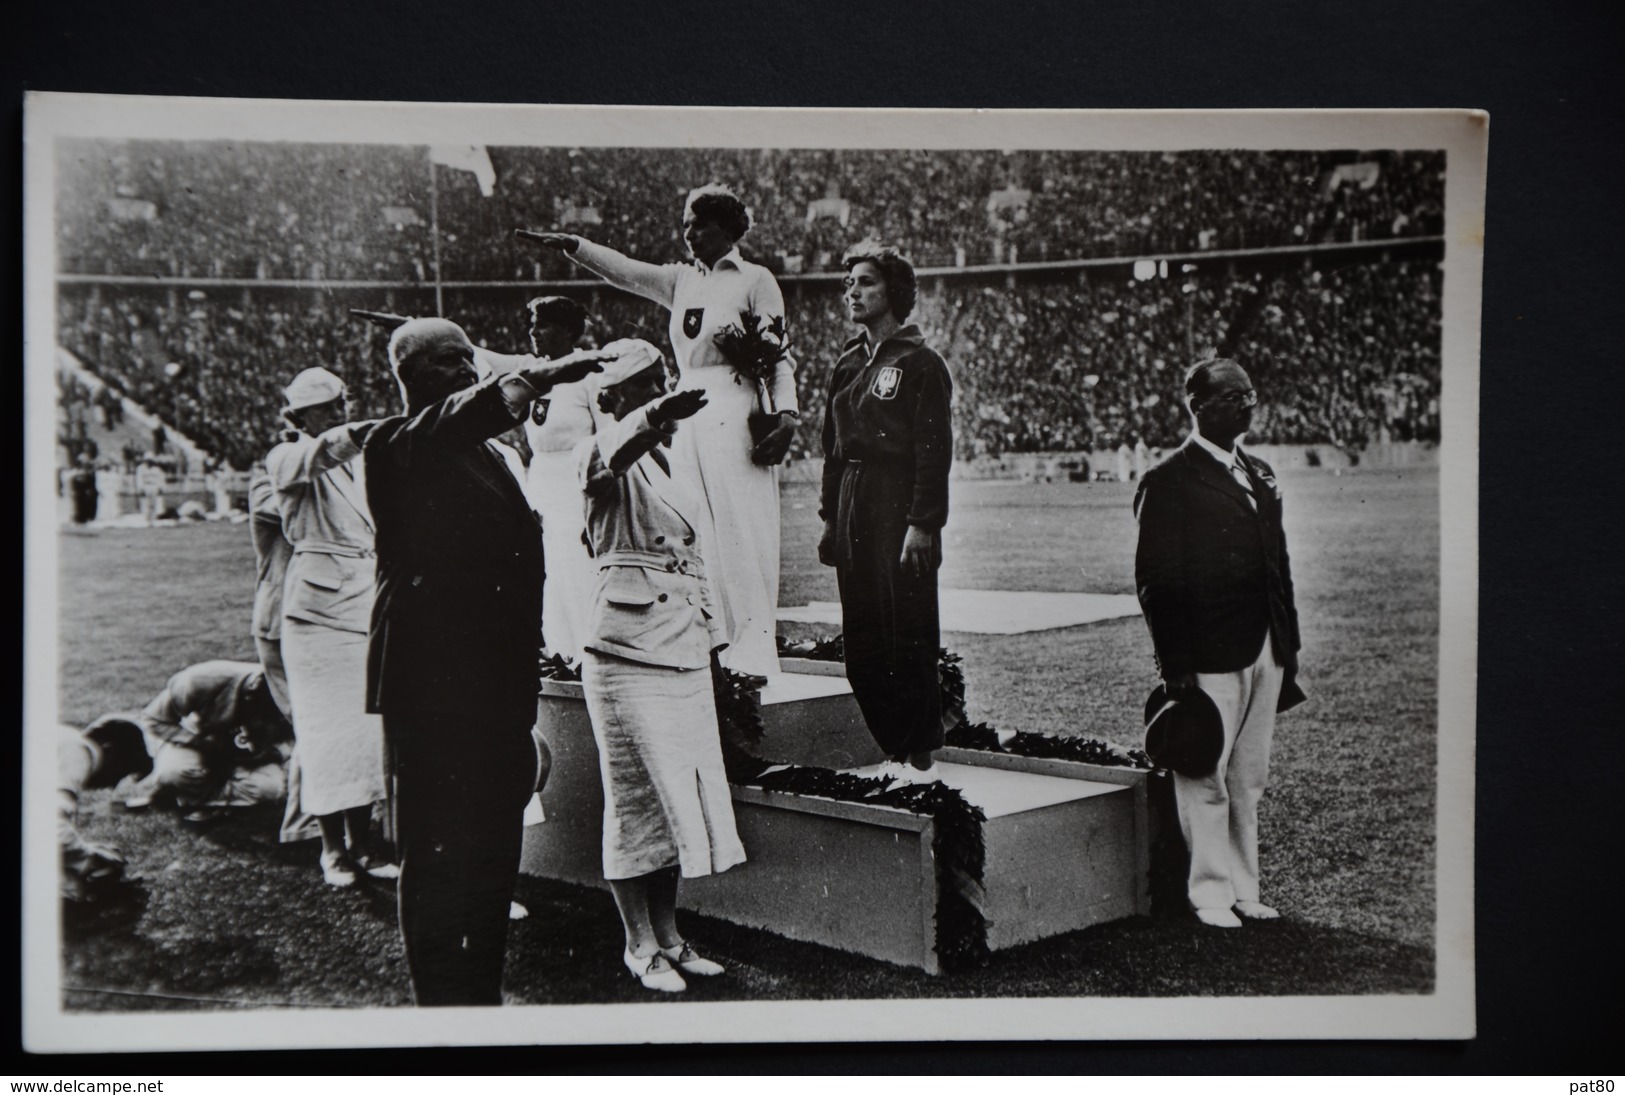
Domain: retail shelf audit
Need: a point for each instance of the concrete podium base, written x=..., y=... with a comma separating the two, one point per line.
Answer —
x=1066, y=844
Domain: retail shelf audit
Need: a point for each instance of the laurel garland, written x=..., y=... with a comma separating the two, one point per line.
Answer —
x=957, y=848
x=1170, y=859
x=981, y=736
x=739, y=721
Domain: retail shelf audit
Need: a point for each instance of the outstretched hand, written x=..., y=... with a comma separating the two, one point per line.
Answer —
x=676, y=407
x=568, y=369
x=558, y=241
x=387, y=320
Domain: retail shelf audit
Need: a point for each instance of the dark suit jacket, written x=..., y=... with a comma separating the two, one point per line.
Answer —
x=1212, y=573
x=456, y=626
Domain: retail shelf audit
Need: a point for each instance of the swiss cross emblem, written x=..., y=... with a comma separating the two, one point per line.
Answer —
x=691, y=322
x=538, y=411
x=886, y=382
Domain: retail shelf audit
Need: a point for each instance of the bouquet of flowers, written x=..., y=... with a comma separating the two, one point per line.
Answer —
x=753, y=349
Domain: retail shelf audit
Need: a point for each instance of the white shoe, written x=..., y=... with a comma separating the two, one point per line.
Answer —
x=687, y=959
x=907, y=773
x=1255, y=910
x=655, y=972
x=1218, y=918
x=337, y=871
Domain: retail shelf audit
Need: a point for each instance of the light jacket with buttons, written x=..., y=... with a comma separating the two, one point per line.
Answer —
x=321, y=492
x=651, y=602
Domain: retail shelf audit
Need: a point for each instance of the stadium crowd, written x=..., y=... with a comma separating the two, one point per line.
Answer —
x=1350, y=354
x=341, y=212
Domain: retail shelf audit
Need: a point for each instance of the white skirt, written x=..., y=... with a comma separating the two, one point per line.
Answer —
x=567, y=595
x=666, y=798
x=340, y=747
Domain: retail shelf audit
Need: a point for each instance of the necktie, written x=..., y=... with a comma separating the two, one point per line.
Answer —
x=660, y=459
x=1239, y=474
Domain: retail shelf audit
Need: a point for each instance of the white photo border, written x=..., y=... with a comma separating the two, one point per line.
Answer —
x=1446, y=1013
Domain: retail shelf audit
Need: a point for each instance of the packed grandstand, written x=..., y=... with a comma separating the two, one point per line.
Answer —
x=1067, y=290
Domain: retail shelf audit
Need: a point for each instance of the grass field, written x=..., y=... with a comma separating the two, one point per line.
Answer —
x=1348, y=824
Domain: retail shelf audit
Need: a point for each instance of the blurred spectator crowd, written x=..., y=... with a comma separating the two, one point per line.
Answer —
x=364, y=212
x=1342, y=355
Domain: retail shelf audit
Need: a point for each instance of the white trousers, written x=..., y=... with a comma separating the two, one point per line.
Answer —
x=1219, y=813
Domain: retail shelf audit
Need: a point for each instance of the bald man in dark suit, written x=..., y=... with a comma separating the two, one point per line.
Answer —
x=1215, y=584
x=453, y=649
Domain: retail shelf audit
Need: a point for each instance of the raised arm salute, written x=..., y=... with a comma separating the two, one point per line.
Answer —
x=453, y=649
x=736, y=473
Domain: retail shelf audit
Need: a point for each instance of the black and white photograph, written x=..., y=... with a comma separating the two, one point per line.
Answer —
x=565, y=574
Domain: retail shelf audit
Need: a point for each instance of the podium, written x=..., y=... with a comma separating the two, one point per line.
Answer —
x=1066, y=845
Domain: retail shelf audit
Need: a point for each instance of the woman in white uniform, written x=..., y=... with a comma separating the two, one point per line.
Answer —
x=646, y=669
x=558, y=422
x=326, y=609
x=741, y=495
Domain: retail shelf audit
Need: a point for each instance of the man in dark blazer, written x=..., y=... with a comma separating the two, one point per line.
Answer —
x=1216, y=587
x=453, y=649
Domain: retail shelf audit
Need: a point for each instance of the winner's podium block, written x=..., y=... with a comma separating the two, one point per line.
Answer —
x=1066, y=844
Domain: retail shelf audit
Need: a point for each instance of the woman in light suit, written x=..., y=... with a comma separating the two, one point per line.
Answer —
x=326, y=608
x=650, y=640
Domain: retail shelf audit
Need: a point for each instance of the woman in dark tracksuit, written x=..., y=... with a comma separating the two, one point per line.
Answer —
x=888, y=445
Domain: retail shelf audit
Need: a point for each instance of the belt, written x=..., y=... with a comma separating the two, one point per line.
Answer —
x=650, y=560
x=881, y=462
x=326, y=547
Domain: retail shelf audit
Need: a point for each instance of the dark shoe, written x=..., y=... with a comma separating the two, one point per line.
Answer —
x=203, y=817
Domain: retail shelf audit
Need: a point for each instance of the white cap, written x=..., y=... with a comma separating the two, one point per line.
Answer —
x=312, y=388
x=632, y=356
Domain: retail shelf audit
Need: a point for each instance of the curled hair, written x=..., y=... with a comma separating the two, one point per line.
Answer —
x=720, y=206
x=897, y=272
x=563, y=311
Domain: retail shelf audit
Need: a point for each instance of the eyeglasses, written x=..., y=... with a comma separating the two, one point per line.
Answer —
x=1239, y=400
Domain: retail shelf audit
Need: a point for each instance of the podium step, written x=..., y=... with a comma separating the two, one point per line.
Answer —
x=1065, y=844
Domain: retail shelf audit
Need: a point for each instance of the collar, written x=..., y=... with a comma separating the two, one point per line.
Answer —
x=908, y=335
x=733, y=258
x=1226, y=459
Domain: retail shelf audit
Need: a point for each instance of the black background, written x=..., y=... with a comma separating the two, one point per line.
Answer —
x=1550, y=698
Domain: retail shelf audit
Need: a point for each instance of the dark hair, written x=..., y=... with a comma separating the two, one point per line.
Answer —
x=123, y=747
x=720, y=206
x=897, y=272
x=1198, y=375
x=562, y=311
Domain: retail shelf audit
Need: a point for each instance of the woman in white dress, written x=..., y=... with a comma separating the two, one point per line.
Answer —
x=737, y=477
x=646, y=668
x=558, y=422
x=326, y=609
